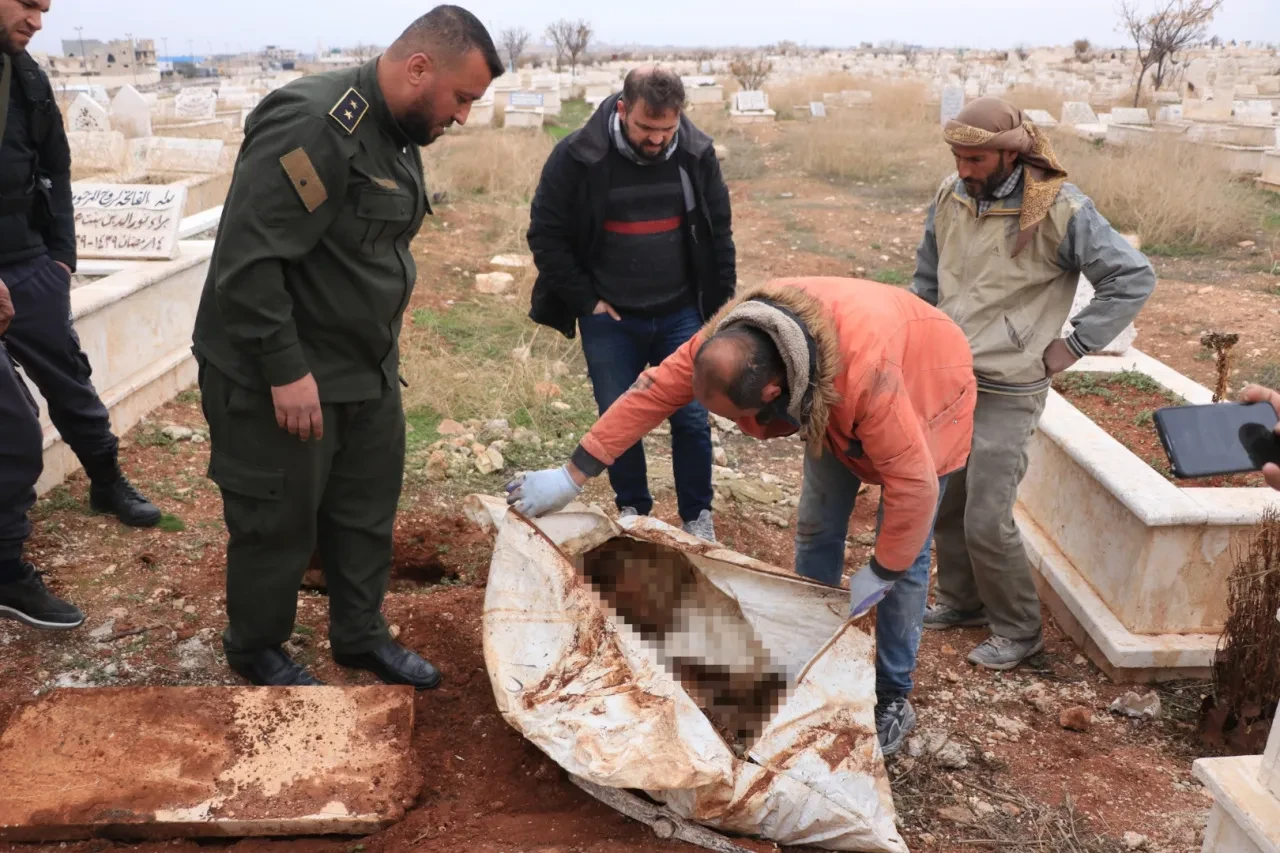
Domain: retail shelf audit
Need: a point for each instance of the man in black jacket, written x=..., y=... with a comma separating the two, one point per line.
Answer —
x=37, y=256
x=632, y=235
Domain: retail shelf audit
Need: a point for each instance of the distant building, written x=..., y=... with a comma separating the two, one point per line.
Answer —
x=91, y=56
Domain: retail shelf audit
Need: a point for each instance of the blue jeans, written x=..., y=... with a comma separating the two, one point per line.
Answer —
x=617, y=352
x=826, y=502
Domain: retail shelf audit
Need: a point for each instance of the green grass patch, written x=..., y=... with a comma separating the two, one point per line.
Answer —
x=875, y=246
x=892, y=276
x=151, y=436
x=170, y=523
x=191, y=395
x=422, y=423
x=474, y=330
x=1176, y=250
x=1267, y=375
x=572, y=116
x=1144, y=418
x=1273, y=290
x=1106, y=385
x=61, y=500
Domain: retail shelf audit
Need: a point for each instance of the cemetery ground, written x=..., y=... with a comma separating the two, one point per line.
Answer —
x=1013, y=775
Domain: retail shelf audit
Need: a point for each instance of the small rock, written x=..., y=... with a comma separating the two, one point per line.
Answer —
x=988, y=757
x=1010, y=809
x=956, y=814
x=495, y=430
x=526, y=436
x=438, y=467
x=189, y=609
x=983, y=808
x=511, y=262
x=928, y=839
x=1204, y=290
x=948, y=649
x=451, y=427
x=1134, y=841
x=197, y=439
x=178, y=433
x=1081, y=660
x=755, y=491
x=663, y=431
x=394, y=631
x=1037, y=697
x=1077, y=718
x=494, y=282
x=776, y=520
x=769, y=480
x=1008, y=725
x=521, y=354
x=1139, y=707
x=103, y=631
x=719, y=456
x=952, y=756
x=113, y=668
x=951, y=676
x=866, y=540
x=560, y=406
x=1243, y=244
x=117, y=613
x=477, y=449
x=724, y=424
x=489, y=461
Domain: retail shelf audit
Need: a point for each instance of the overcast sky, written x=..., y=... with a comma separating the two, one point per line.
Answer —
x=234, y=25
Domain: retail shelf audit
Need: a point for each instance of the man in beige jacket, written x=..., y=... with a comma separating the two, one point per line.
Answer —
x=1006, y=240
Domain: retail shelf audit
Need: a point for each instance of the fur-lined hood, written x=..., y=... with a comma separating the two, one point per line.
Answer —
x=818, y=324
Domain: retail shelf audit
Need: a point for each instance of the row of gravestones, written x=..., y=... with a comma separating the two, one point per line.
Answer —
x=130, y=112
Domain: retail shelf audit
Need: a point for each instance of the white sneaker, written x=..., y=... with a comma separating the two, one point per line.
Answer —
x=704, y=526
x=628, y=512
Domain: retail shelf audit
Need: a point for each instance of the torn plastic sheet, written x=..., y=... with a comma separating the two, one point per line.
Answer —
x=603, y=638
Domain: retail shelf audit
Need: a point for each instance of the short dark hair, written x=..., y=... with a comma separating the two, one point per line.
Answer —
x=661, y=89
x=452, y=30
x=761, y=364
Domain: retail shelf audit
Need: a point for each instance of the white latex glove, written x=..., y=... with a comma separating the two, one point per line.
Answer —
x=542, y=492
x=866, y=590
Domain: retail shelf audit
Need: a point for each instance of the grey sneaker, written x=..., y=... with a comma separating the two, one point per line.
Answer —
x=1001, y=653
x=940, y=617
x=894, y=721
x=627, y=512
x=704, y=526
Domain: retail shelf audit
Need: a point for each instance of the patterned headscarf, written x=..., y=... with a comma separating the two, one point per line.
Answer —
x=998, y=125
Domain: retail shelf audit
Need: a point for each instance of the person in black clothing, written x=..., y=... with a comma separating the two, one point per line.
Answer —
x=37, y=257
x=631, y=232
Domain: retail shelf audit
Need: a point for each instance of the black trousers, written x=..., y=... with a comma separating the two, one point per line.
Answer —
x=21, y=459
x=42, y=340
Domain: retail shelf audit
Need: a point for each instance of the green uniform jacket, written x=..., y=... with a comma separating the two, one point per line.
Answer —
x=311, y=271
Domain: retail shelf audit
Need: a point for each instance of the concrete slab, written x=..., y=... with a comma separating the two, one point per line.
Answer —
x=194, y=762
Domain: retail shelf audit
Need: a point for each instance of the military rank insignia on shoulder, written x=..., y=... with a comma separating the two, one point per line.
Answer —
x=350, y=110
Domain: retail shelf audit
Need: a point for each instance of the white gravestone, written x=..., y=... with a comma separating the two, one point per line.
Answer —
x=1171, y=112
x=1130, y=115
x=1078, y=112
x=131, y=114
x=94, y=151
x=178, y=155
x=817, y=109
x=750, y=102
x=196, y=104
x=1040, y=118
x=86, y=114
x=127, y=221
x=952, y=102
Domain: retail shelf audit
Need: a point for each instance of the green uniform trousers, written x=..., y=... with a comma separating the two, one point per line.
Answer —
x=284, y=499
x=981, y=558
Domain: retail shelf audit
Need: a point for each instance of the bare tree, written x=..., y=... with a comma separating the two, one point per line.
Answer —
x=513, y=41
x=1173, y=26
x=750, y=70
x=1022, y=51
x=559, y=33
x=1082, y=47
x=577, y=43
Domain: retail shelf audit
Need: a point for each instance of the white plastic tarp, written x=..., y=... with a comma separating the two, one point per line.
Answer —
x=611, y=700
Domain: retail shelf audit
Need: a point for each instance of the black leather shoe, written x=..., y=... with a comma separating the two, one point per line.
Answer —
x=271, y=668
x=394, y=664
x=118, y=497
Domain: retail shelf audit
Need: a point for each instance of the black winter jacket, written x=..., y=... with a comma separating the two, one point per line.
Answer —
x=36, y=216
x=568, y=212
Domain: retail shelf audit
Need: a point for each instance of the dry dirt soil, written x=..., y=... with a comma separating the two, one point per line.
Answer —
x=488, y=790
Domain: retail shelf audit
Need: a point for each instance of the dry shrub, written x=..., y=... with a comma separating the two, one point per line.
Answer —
x=799, y=92
x=483, y=358
x=1246, y=668
x=503, y=165
x=1172, y=194
x=893, y=141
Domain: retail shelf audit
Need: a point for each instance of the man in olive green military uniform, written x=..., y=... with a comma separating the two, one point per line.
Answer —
x=297, y=339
